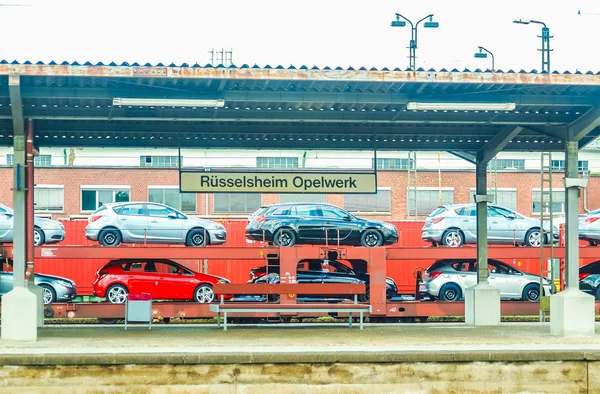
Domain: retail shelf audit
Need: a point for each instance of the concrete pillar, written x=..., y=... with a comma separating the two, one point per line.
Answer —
x=572, y=311
x=20, y=305
x=482, y=301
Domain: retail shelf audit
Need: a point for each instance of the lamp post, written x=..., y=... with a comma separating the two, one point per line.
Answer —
x=413, y=38
x=483, y=54
x=545, y=42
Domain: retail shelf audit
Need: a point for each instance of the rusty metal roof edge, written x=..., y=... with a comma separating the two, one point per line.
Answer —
x=303, y=73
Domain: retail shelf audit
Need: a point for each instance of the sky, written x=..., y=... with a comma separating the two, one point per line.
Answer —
x=309, y=32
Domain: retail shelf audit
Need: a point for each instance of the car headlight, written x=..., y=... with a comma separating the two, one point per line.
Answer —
x=223, y=281
x=64, y=283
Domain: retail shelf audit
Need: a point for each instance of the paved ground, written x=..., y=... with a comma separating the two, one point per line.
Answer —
x=276, y=343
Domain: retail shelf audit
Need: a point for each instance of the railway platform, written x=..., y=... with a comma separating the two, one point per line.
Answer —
x=448, y=357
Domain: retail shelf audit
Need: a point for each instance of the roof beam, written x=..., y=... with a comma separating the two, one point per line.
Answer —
x=16, y=104
x=497, y=143
x=468, y=156
x=388, y=98
x=556, y=132
x=584, y=125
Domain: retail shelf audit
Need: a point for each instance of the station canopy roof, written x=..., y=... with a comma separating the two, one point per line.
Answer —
x=73, y=104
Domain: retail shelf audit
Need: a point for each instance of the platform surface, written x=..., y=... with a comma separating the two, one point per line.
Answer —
x=281, y=343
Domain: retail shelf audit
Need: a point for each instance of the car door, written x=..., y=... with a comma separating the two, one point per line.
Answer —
x=468, y=222
x=338, y=225
x=133, y=222
x=501, y=225
x=466, y=273
x=173, y=284
x=6, y=282
x=500, y=278
x=164, y=224
x=6, y=225
x=309, y=224
x=142, y=278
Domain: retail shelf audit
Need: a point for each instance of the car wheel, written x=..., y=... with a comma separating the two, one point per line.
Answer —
x=533, y=237
x=284, y=237
x=204, y=294
x=196, y=238
x=116, y=294
x=48, y=294
x=273, y=297
x=371, y=239
x=453, y=238
x=531, y=293
x=38, y=236
x=110, y=237
x=450, y=292
x=593, y=242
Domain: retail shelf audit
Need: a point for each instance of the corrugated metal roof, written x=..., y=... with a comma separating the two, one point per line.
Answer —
x=290, y=67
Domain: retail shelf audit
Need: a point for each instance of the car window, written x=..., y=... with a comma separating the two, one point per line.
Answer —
x=259, y=211
x=132, y=210
x=497, y=268
x=333, y=213
x=340, y=268
x=159, y=211
x=467, y=211
x=283, y=211
x=463, y=266
x=302, y=266
x=493, y=212
x=504, y=212
x=439, y=210
x=307, y=210
x=136, y=266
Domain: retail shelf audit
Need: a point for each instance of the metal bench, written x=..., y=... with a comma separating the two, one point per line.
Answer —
x=291, y=289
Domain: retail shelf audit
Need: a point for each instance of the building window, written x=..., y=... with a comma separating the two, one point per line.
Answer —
x=277, y=162
x=559, y=165
x=92, y=197
x=427, y=200
x=159, y=161
x=38, y=161
x=379, y=202
x=236, y=202
x=302, y=197
x=558, y=201
x=185, y=202
x=49, y=198
x=392, y=164
x=507, y=164
x=504, y=197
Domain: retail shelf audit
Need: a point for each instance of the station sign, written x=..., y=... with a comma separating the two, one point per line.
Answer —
x=277, y=182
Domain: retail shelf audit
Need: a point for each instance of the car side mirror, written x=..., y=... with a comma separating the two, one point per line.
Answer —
x=172, y=215
x=348, y=218
x=8, y=214
x=511, y=216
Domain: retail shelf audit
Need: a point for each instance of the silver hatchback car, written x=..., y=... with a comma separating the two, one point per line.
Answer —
x=148, y=222
x=45, y=231
x=447, y=280
x=456, y=224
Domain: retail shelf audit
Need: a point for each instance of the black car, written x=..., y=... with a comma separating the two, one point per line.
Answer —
x=324, y=271
x=54, y=288
x=316, y=223
x=589, y=279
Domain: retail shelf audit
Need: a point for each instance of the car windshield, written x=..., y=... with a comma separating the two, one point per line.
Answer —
x=259, y=211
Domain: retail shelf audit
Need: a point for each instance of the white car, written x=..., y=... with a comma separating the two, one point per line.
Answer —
x=45, y=231
x=447, y=280
x=148, y=222
x=589, y=227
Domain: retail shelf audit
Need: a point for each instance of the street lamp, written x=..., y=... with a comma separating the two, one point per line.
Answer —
x=413, y=39
x=481, y=54
x=545, y=43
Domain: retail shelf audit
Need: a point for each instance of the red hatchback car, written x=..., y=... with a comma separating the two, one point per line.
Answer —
x=163, y=279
